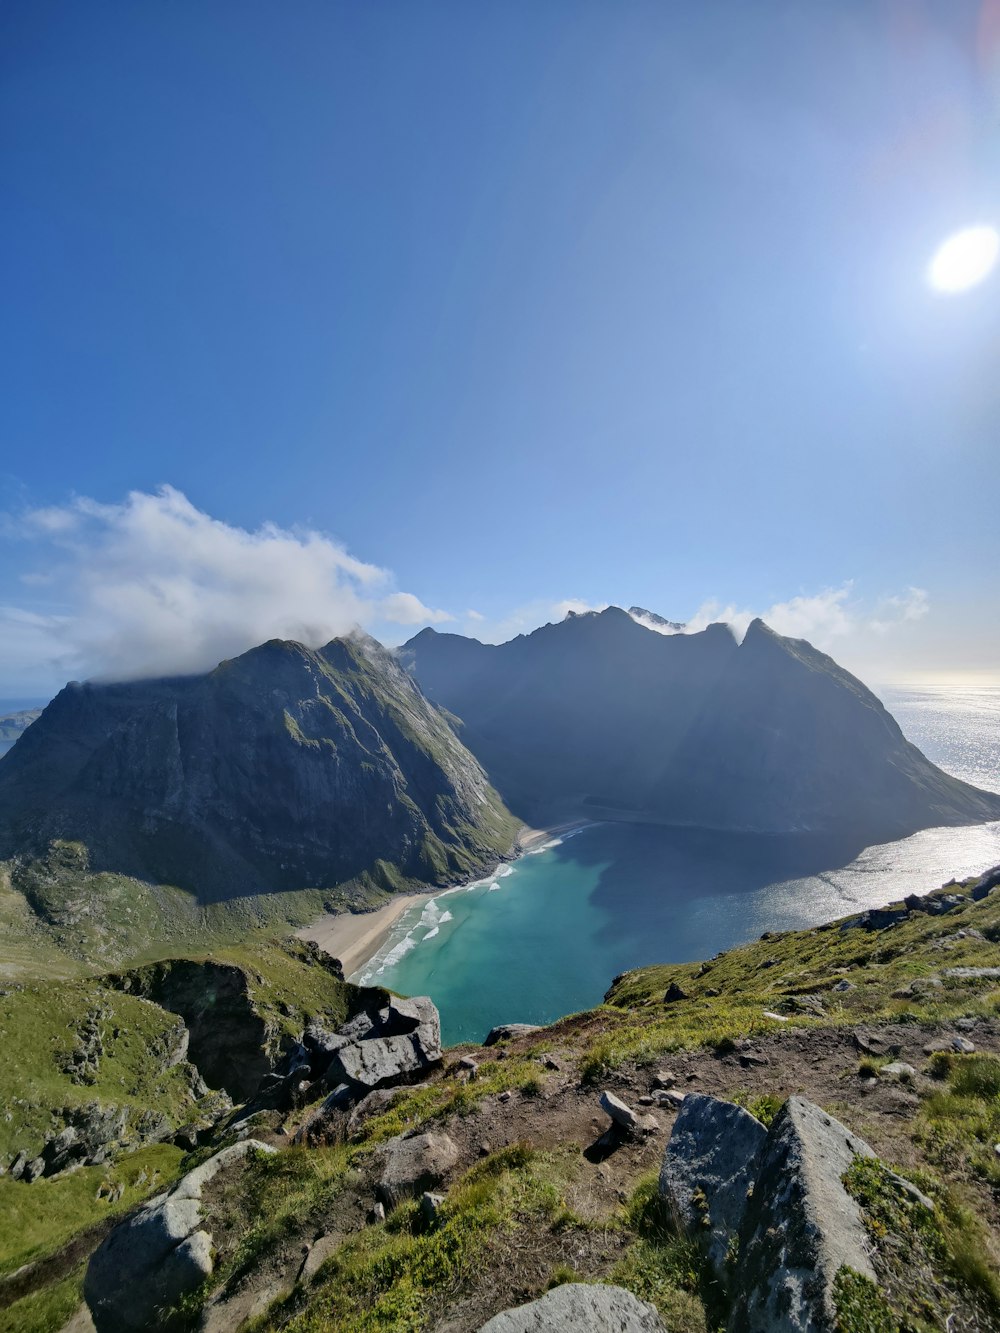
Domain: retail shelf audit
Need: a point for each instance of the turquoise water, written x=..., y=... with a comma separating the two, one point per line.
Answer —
x=546, y=936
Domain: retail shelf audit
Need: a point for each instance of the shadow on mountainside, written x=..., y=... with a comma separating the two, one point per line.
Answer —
x=657, y=886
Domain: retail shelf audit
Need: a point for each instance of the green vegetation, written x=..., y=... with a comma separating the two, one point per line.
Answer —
x=46, y=1309
x=659, y=1266
x=40, y=1035
x=860, y=1306
x=546, y=1203
x=36, y=1220
x=795, y=975
x=923, y=1251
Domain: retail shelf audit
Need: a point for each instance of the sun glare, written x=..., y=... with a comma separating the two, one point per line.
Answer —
x=964, y=259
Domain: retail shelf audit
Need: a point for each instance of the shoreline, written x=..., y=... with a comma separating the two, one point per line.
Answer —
x=356, y=937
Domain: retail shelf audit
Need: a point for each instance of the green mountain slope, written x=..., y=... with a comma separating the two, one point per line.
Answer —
x=281, y=771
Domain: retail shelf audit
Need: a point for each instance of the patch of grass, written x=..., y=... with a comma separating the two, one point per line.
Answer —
x=958, y=1126
x=860, y=1306
x=40, y=1218
x=561, y=1275
x=382, y=1280
x=660, y=1266
x=763, y=1107
x=435, y=1101
x=275, y=1198
x=762, y=976
x=39, y=1032
x=921, y=1250
x=47, y=1310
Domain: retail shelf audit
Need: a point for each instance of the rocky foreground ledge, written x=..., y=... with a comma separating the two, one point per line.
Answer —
x=797, y=1135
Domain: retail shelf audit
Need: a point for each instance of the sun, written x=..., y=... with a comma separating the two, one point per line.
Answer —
x=964, y=259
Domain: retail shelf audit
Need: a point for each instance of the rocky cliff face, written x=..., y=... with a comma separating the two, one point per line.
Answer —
x=600, y=715
x=282, y=769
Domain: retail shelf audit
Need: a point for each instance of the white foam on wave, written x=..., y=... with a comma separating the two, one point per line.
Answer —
x=507, y=870
x=446, y=916
x=493, y=887
x=431, y=933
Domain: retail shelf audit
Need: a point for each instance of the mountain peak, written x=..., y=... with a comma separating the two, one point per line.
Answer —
x=652, y=620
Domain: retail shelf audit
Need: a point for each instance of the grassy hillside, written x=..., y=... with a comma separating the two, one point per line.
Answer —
x=535, y=1200
x=61, y=919
x=72, y=1044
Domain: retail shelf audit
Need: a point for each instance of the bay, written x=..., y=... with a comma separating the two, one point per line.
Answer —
x=546, y=936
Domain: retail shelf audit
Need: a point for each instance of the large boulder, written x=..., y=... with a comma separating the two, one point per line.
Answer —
x=800, y=1227
x=145, y=1265
x=709, y=1169
x=393, y=1040
x=507, y=1031
x=415, y=1163
x=579, y=1307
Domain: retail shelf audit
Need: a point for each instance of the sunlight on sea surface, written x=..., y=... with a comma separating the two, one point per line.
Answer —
x=545, y=936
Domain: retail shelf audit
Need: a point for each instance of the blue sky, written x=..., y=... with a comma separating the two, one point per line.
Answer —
x=520, y=303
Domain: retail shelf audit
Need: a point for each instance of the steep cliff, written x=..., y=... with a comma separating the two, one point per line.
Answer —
x=283, y=769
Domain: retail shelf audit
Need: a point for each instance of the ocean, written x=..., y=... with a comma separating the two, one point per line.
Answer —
x=547, y=934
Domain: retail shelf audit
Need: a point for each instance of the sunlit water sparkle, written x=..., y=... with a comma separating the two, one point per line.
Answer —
x=546, y=934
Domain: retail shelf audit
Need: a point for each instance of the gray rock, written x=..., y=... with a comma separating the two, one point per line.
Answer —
x=973, y=973
x=327, y=1120
x=800, y=1227
x=623, y=1115
x=579, y=1307
x=414, y=1164
x=396, y=1043
x=505, y=1031
x=669, y=1097
x=673, y=993
x=34, y=1169
x=878, y=918
x=708, y=1170
x=148, y=1263
x=899, y=1069
x=430, y=1206
x=985, y=884
x=959, y=1045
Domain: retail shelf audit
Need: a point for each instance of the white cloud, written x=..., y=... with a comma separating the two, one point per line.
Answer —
x=835, y=620
x=820, y=618
x=474, y=615
x=560, y=610
x=154, y=585
x=402, y=608
x=891, y=611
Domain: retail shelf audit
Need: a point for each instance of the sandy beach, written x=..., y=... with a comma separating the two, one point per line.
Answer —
x=355, y=937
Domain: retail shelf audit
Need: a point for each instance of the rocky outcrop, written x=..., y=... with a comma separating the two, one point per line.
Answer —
x=508, y=1031
x=286, y=768
x=415, y=1163
x=709, y=1169
x=391, y=1041
x=579, y=1307
x=801, y=1225
x=227, y=1040
x=770, y=1208
x=147, y=1264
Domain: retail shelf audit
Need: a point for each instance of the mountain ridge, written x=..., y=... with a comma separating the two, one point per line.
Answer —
x=695, y=729
x=285, y=768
